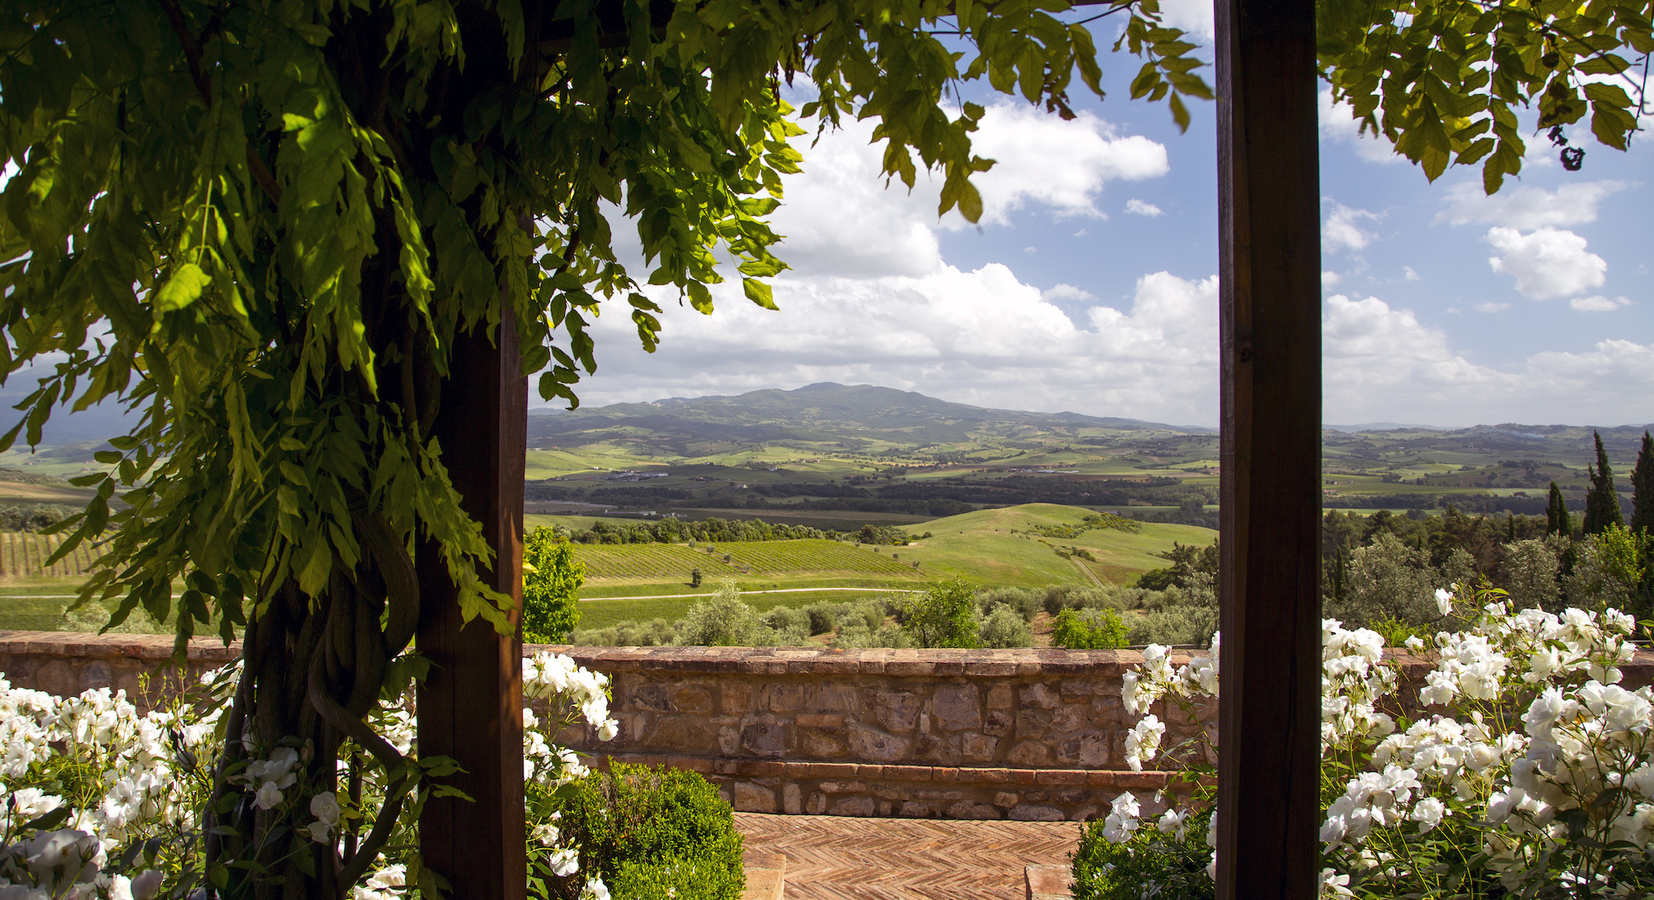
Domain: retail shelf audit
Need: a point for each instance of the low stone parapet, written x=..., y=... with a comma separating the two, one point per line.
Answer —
x=1033, y=734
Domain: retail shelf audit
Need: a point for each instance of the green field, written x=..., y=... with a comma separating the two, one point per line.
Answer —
x=992, y=547
x=23, y=554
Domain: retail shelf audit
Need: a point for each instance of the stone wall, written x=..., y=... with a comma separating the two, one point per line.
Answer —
x=975, y=734
x=978, y=734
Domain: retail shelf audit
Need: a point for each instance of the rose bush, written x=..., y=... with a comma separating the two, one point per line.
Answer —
x=1519, y=765
x=105, y=802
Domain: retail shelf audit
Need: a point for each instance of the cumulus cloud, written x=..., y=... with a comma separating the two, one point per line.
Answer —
x=1329, y=280
x=839, y=218
x=1193, y=16
x=1339, y=125
x=977, y=336
x=1384, y=364
x=1547, y=263
x=1342, y=231
x=1492, y=307
x=1527, y=208
x=1599, y=303
x=1143, y=208
x=1064, y=165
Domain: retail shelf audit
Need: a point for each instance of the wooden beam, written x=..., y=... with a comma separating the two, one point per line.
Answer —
x=1269, y=584
x=471, y=706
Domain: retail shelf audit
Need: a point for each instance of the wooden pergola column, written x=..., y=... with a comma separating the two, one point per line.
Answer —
x=471, y=705
x=1269, y=582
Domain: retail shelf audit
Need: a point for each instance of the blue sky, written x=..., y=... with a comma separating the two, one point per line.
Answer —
x=1090, y=284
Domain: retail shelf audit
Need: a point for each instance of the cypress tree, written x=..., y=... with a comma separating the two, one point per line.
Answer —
x=1557, y=520
x=1602, y=504
x=1642, y=488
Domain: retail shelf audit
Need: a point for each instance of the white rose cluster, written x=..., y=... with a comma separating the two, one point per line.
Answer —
x=147, y=776
x=1564, y=793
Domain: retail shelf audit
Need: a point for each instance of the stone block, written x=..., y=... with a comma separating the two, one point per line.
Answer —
x=764, y=736
x=1040, y=697
x=821, y=746
x=835, y=697
x=843, y=787
x=997, y=724
x=792, y=799
x=999, y=697
x=913, y=809
x=786, y=697
x=897, y=711
x=1005, y=798
x=736, y=695
x=878, y=746
x=1068, y=718
x=651, y=696
x=966, y=809
x=1029, y=753
x=1026, y=813
x=853, y=806
x=1034, y=723
x=818, y=803
x=1088, y=751
x=751, y=797
x=820, y=720
x=978, y=747
x=692, y=699
x=957, y=707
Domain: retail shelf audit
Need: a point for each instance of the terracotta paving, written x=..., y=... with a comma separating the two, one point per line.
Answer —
x=845, y=858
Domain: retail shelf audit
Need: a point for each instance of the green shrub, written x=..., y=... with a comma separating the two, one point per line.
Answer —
x=721, y=621
x=653, y=833
x=1150, y=863
x=823, y=618
x=1005, y=627
x=857, y=636
x=785, y=618
x=1090, y=629
x=944, y=616
x=1026, y=603
x=1183, y=623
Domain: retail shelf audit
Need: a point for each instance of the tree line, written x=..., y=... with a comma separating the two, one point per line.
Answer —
x=1384, y=569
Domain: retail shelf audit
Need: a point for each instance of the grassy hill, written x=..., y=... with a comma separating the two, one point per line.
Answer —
x=997, y=547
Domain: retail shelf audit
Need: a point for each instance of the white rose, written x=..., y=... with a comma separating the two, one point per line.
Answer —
x=325, y=806
x=268, y=796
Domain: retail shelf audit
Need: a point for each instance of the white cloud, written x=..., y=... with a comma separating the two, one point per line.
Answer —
x=976, y=337
x=1599, y=303
x=1408, y=274
x=1340, y=231
x=1527, y=208
x=1193, y=16
x=1492, y=307
x=838, y=217
x=1066, y=292
x=1546, y=263
x=1041, y=158
x=1383, y=364
x=1330, y=280
x=1143, y=208
x=1338, y=124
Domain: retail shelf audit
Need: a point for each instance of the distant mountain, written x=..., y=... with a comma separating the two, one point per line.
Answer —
x=825, y=413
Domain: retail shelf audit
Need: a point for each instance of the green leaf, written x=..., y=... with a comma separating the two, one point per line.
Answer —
x=182, y=289
x=758, y=292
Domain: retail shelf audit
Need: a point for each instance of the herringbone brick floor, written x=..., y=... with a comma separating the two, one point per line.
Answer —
x=844, y=858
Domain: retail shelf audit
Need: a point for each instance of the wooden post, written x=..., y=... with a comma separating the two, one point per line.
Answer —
x=471, y=706
x=1270, y=298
